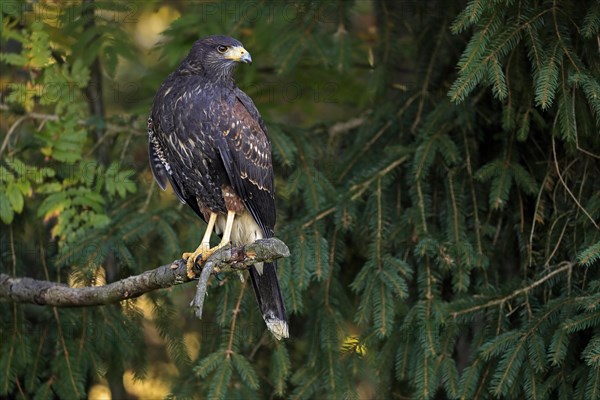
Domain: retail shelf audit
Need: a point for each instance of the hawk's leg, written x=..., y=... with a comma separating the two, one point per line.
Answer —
x=203, y=247
x=204, y=250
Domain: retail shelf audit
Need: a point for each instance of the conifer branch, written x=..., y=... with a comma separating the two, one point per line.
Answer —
x=562, y=181
x=236, y=312
x=112, y=129
x=227, y=259
x=28, y=290
x=564, y=266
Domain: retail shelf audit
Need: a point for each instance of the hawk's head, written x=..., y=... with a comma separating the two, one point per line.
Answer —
x=215, y=56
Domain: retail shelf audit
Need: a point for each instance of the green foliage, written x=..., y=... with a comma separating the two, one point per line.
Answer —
x=589, y=255
x=444, y=227
x=17, y=180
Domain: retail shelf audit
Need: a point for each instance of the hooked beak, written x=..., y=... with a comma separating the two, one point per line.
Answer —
x=239, y=54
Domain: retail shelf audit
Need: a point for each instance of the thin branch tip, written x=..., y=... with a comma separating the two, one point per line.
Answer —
x=240, y=258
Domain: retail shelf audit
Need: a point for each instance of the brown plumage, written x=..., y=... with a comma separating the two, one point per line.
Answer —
x=207, y=139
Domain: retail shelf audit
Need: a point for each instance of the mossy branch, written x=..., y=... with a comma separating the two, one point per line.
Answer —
x=32, y=291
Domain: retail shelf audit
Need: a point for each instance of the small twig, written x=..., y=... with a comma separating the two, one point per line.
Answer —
x=345, y=126
x=238, y=258
x=10, y=132
x=360, y=188
x=198, y=301
x=33, y=115
x=148, y=197
x=562, y=181
x=364, y=149
x=236, y=312
x=113, y=129
x=261, y=342
x=319, y=217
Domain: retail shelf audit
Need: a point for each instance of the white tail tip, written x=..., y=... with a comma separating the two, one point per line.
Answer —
x=278, y=328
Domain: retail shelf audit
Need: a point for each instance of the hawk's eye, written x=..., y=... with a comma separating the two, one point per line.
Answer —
x=221, y=49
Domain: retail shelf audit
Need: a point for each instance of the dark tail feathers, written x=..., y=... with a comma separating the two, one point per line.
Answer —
x=268, y=295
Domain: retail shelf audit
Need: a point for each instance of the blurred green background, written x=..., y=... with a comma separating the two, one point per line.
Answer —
x=436, y=174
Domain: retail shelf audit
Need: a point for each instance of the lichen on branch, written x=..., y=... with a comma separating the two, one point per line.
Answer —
x=32, y=291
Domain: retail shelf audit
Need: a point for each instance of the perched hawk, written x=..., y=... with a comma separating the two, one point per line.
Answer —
x=208, y=140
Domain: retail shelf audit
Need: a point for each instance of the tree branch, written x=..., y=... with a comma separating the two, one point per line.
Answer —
x=27, y=290
x=563, y=266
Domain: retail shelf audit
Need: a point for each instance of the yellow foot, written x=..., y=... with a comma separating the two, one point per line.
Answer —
x=202, y=253
x=191, y=258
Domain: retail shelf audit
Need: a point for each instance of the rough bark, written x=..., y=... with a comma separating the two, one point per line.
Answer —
x=27, y=290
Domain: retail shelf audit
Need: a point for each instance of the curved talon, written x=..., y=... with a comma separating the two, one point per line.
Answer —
x=201, y=254
x=204, y=251
x=189, y=266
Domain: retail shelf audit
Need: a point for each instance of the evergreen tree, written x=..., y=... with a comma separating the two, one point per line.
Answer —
x=436, y=171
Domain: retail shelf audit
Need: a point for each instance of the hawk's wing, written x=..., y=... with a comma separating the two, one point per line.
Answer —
x=162, y=174
x=246, y=154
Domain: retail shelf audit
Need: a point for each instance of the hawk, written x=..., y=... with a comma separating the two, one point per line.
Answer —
x=208, y=140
